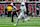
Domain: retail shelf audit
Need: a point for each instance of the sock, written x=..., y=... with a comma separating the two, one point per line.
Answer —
x=17, y=13
x=23, y=20
x=26, y=19
x=17, y=21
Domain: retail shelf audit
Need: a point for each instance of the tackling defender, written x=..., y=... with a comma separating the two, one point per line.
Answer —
x=22, y=14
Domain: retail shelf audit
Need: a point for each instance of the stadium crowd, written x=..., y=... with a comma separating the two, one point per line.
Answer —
x=6, y=13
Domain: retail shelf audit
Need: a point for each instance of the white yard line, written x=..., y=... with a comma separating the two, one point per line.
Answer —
x=4, y=25
x=20, y=26
x=34, y=17
x=28, y=26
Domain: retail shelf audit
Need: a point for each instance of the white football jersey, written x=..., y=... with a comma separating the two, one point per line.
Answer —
x=22, y=9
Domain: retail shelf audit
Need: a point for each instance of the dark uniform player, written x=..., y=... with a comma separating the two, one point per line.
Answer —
x=14, y=13
x=14, y=10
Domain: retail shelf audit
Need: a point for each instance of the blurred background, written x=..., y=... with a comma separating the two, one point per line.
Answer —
x=20, y=0
x=32, y=6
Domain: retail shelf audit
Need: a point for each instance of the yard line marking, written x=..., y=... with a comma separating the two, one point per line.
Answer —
x=4, y=25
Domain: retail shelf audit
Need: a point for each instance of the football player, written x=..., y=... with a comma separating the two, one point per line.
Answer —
x=22, y=13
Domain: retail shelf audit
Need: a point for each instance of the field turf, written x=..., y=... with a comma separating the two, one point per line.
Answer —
x=6, y=22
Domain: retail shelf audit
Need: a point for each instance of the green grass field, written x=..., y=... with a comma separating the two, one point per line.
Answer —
x=6, y=22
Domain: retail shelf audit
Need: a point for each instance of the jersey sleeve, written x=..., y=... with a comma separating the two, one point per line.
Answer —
x=25, y=9
x=14, y=7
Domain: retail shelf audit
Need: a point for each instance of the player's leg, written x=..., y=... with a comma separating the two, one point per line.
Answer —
x=23, y=19
x=17, y=14
x=19, y=17
x=12, y=16
x=17, y=21
x=28, y=18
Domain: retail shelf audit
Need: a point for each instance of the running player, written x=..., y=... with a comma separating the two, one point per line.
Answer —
x=22, y=14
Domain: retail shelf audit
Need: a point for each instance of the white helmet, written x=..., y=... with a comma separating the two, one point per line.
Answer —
x=22, y=3
x=11, y=4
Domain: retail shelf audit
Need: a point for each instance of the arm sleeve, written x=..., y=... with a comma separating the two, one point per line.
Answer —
x=25, y=9
x=15, y=7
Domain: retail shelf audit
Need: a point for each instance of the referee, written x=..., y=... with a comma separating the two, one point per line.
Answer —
x=14, y=11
